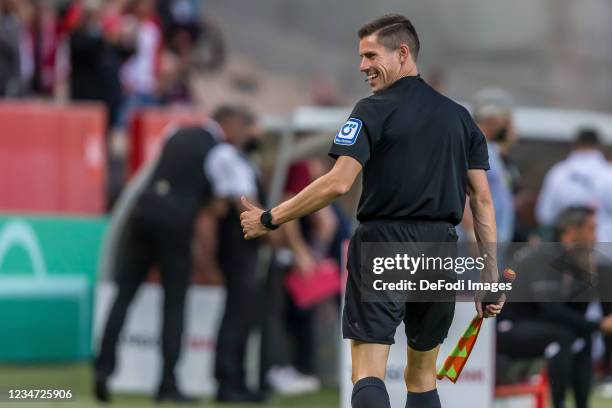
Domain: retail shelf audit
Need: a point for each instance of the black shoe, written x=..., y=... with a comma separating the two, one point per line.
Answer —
x=175, y=397
x=101, y=390
x=242, y=394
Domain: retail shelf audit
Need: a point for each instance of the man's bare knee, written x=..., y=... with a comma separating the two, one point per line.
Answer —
x=420, y=373
x=419, y=380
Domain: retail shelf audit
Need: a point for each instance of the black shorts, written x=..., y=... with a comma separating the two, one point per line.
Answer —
x=426, y=323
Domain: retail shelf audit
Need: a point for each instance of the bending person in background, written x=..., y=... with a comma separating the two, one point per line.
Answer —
x=196, y=167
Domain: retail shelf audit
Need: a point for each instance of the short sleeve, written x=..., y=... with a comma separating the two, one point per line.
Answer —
x=478, y=155
x=229, y=174
x=355, y=137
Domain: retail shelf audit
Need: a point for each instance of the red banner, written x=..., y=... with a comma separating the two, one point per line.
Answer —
x=52, y=158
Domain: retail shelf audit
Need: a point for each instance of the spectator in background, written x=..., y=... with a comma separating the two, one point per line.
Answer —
x=195, y=168
x=12, y=31
x=547, y=327
x=180, y=18
x=492, y=110
x=98, y=47
x=506, y=141
x=310, y=240
x=583, y=178
x=140, y=73
x=44, y=32
x=175, y=73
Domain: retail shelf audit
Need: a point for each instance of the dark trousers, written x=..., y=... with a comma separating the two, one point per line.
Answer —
x=301, y=325
x=607, y=341
x=147, y=241
x=238, y=262
x=283, y=317
x=533, y=339
x=605, y=283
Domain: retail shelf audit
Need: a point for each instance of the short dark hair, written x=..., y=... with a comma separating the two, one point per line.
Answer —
x=587, y=137
x=225, y=112
x=393, y=30
x=572, y=217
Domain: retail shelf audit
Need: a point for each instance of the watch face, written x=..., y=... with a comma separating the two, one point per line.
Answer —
x=266, y=220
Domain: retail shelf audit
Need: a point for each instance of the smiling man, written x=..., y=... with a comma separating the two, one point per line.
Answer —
x=420, y=153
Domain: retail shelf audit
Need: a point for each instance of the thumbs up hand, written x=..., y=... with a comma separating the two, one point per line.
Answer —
x=250, y=220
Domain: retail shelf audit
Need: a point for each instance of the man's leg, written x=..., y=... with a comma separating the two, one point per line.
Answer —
x=369, y=368
x=536, y=339
x=130, y=267
x=426, y=325
x=420, y=377
x=105, y=362
x=238, y=320
x=582, y=371
x=175, y=267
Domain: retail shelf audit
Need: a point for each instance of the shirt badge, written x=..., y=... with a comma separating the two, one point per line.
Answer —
x=348, y=133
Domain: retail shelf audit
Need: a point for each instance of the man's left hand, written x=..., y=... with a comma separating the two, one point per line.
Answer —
x=492, y=309
x=250, y=219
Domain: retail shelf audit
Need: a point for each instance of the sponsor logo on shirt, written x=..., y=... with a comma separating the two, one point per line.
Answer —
x=348, y=133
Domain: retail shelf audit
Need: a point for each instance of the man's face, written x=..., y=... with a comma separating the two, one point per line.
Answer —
x=587, y=234
x=254, y=138
x=497, y=128
x=236, y=129
x=583, y=235
x=580, y=242
x=381, y=65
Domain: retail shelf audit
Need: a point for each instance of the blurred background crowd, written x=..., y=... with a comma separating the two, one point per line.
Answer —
x=115, y=78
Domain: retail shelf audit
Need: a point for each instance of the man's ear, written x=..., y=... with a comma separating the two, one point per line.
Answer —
x=404, y=52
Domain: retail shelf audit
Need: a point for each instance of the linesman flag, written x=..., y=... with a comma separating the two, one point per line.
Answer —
x=456, y=360
x=454, y=363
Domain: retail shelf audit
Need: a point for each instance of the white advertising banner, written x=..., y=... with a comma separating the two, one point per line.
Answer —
x=474, y=388
x=139, y=356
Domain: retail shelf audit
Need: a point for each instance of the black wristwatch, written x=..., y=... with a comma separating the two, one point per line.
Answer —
x=266, y=220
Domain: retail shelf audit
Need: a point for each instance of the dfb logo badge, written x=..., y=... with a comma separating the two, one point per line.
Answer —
x=348, y=133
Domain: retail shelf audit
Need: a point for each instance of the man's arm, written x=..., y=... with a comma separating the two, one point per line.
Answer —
x=315, y=196
x=320, y=193
x=481, y=204
x=483, y=215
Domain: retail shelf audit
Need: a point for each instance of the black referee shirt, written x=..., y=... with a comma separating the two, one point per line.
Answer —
x=415, y=146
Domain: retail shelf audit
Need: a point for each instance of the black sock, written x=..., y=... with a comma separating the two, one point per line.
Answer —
x=370, y=392
x=429, y=399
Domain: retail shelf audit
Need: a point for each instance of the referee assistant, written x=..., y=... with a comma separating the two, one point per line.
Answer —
x=421, y=153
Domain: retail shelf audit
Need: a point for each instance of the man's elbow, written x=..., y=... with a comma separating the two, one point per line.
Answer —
x=340, y=188
x=481, y=200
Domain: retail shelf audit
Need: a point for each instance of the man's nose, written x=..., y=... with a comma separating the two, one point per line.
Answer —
x=364, y=66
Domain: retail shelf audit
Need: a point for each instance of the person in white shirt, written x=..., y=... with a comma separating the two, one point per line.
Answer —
x=584, y=178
